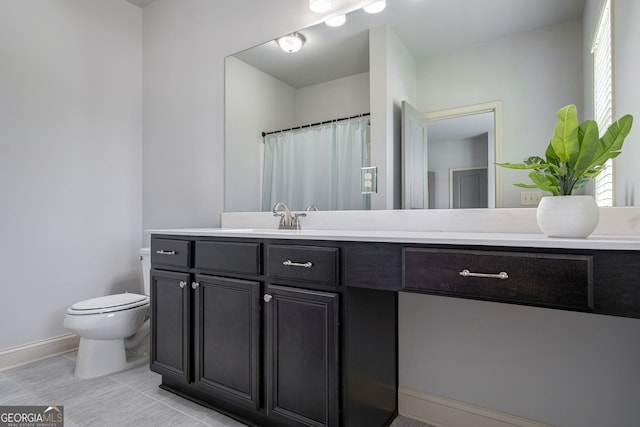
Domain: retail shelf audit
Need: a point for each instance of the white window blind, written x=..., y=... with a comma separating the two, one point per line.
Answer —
x=603, y=98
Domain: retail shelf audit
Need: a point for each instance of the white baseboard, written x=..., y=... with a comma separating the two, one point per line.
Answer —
x=21, y=355
x=444, y=412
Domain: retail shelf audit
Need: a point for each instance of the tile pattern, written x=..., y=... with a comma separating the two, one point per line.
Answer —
x=127, y=399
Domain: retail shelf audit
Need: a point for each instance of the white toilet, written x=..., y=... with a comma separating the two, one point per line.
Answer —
x=113, y=329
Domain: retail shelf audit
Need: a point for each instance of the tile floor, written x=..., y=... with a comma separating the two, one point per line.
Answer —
x=130, y=398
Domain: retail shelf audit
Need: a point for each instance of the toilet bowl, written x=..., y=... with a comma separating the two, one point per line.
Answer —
x=112, y=329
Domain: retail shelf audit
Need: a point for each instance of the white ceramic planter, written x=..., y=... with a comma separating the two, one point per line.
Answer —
x=568, y=216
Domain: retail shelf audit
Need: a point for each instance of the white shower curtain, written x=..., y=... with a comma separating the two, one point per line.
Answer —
x=319, y=165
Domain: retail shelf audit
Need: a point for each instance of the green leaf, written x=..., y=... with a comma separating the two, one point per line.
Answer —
x=526, y=185
x=564, y=141
x=520, y=165
x=534, y=160
x=551, y=156
x=545, y=182
x=610, y=145
x=581, y=182
x=588, y=139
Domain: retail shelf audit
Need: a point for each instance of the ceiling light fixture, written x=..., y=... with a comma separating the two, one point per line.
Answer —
x=336, y=21
x=319, y=6
x=291, y=43
x=376, y=6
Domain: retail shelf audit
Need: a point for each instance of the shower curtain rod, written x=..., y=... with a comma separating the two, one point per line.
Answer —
x=316, y=124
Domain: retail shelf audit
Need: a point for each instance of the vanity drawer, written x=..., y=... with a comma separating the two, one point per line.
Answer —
x=169, y=252
x=308, y=263
x=562, y=281
x=228, y=257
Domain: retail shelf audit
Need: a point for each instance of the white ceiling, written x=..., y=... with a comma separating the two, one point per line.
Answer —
x=427, y=27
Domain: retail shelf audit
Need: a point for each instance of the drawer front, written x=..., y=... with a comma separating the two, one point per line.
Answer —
x=228, y=257
x=307, y=263
x=171, y=253
x=562, y=281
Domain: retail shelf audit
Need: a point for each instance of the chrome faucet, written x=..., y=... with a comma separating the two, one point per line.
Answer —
x=311, y=208
x=287, y=221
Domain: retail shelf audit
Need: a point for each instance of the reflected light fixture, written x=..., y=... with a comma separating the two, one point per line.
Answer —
x=319, y=6
x=336, y=21
x=291, y=43
x=376, y=6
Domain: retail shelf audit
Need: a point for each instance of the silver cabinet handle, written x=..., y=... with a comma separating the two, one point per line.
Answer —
x=163, y=252
x=290, y=263
x=195, y=285
x=502, y=275
x=183, y=284
x=267, y=297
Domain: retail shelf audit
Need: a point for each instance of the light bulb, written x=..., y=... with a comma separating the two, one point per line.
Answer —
x=319, y=6
x=376, y=6
x=336, y=21
x=291, y=43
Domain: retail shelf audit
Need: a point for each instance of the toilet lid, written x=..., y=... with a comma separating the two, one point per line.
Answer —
x=109, y=303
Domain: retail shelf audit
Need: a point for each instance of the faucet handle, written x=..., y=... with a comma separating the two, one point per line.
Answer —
x=282, y=218
x=296, y=220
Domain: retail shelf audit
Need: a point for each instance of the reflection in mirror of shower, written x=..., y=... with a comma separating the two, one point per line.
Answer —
x=318, y=165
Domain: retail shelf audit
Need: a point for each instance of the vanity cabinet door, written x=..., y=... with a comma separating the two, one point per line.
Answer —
x=302, y=356
x=170, y=324
x=227, y=331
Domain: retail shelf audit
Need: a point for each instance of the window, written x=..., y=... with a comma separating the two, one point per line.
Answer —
x=603, y=97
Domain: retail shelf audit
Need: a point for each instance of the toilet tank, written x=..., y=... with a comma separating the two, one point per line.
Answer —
x=145, y=264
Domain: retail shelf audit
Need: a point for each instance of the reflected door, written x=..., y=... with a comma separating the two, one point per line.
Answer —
x=415, y=177
x=468, y=188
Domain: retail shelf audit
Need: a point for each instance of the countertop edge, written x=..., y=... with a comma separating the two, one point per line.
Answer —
x=418, y=237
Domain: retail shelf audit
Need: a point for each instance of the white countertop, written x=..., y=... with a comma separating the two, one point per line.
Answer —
x=425, y=237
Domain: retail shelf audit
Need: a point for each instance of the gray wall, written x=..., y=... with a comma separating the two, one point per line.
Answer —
x=70, y=159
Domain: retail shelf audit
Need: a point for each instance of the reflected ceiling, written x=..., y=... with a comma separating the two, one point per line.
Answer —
x=443, y=26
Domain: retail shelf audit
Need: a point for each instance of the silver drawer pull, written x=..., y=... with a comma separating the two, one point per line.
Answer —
x=290, y=263
x=163, y=252
x=501, y=275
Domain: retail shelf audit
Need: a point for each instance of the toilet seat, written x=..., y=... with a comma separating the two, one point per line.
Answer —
x=108, y=304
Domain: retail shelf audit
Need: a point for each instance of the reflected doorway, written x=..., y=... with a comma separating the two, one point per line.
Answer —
x=464, y=146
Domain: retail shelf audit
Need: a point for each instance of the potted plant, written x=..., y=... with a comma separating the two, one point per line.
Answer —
x=575, y=155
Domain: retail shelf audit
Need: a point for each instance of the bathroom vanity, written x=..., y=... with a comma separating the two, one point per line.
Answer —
x=299, y=328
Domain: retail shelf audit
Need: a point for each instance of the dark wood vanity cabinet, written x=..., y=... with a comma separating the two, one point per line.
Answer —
x=262, y=331
x=286, y=332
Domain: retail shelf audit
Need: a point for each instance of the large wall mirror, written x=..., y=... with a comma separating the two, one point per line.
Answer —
x=529, y=57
